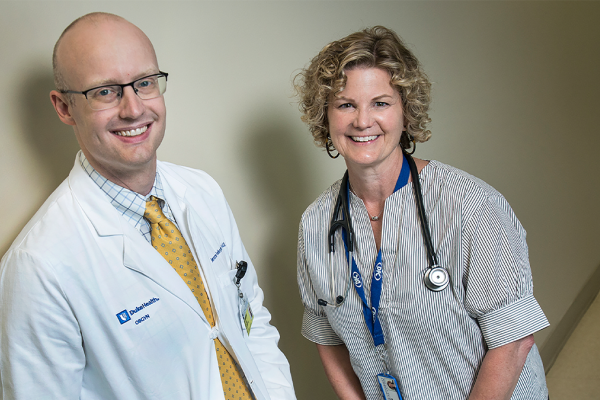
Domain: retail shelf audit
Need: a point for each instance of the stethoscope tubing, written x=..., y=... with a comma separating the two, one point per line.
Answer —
x=341, y=205
x=421, y=210
x=436, y=277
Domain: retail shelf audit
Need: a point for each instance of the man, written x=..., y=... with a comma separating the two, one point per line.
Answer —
x=89, y=310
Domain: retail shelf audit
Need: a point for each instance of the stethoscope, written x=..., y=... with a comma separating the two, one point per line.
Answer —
x=436, y=277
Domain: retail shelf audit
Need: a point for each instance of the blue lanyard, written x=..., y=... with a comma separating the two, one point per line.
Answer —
x=371, y=314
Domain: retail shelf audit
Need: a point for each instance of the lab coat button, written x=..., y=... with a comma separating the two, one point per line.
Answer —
x=214, y=332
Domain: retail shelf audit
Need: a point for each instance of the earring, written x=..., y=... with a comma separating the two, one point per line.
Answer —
x=329, y=147
x=411, y=141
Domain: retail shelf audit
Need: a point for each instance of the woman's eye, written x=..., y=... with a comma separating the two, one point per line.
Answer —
x=345, y=105
x=380, y=104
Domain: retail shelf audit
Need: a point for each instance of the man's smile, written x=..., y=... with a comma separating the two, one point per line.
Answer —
x=132, y=132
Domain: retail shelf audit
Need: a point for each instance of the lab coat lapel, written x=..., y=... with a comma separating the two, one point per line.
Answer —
x=140, y=256
x=137, y=253
x=201, y=233
x=95, y=204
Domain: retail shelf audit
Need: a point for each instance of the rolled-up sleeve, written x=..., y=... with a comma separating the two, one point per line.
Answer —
x=315, y=325
x=498, y=282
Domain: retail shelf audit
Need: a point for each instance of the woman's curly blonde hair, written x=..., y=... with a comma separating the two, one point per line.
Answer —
x=377, y=47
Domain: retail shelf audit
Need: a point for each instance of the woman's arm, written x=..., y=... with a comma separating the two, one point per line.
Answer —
x=500, y=370
x=338, y=369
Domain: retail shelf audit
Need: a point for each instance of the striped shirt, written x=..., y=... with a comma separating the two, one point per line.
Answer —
x=131, y=205
x=434, y=341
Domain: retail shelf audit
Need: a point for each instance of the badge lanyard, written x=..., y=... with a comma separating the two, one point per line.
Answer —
x=371, y=313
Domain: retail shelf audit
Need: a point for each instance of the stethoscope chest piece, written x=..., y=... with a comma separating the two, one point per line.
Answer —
x=436, y=278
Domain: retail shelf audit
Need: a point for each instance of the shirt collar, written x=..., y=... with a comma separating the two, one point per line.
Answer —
x=130, y=204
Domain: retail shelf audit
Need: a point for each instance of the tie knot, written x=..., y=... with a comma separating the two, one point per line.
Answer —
x=153, y=212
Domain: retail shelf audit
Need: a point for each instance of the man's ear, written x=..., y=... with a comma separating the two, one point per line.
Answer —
x=61, y=106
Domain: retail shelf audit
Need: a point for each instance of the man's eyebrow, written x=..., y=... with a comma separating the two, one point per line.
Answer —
x=108, y=82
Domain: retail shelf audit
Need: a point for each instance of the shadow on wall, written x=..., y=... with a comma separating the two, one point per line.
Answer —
x=52, y=143
x=282, y=176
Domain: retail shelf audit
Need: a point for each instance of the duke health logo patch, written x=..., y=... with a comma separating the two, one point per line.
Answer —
x=123, y=316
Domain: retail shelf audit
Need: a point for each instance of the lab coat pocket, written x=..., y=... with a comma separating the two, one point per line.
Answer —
x=236, y=298
x=227, y=281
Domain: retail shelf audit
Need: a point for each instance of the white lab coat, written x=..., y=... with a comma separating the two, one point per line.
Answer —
x=78, y=263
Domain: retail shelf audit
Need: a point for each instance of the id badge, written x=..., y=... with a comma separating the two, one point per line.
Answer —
x=389, y=387
x=246, y=313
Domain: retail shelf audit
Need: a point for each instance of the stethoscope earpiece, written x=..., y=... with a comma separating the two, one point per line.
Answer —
x=436, y=278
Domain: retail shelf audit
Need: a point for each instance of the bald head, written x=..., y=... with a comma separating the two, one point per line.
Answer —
x=89, y=38
x=120, y=142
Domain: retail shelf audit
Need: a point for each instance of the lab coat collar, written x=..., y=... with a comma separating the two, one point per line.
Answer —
x=94, y=202
x=137, y=253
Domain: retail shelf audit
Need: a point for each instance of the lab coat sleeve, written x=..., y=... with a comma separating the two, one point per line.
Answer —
x=264, y=338
x=40, y=341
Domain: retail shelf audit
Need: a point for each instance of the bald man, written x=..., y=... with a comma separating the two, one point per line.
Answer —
x=131, y=281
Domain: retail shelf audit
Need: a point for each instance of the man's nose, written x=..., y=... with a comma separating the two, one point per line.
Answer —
x=131, y=104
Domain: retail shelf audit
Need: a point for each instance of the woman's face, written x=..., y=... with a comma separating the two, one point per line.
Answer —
x=366, y=119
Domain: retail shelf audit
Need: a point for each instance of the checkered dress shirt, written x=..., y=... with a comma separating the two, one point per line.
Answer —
x=129, y=204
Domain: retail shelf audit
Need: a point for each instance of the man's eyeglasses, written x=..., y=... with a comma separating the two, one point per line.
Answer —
x=109, y=96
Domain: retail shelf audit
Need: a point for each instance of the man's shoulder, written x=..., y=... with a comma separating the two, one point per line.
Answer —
x=188, y=175
x=195, y=180
x=40, y=232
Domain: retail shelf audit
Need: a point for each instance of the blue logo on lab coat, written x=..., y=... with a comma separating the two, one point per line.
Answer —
x=123, y=316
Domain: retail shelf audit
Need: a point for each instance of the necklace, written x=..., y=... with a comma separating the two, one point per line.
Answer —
x=372, y=218
x=376, y=217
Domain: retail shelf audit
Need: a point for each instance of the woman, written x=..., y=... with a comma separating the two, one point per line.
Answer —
x=457, y=331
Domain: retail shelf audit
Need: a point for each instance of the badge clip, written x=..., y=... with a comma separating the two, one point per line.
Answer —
x=246, y=314
x=242, y=267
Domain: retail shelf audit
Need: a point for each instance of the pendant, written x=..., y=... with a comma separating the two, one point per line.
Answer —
x=375, y=218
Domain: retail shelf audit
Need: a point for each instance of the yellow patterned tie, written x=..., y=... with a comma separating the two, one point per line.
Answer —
x=169, y=242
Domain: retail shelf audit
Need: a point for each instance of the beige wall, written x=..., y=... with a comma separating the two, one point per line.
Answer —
x=515, y=103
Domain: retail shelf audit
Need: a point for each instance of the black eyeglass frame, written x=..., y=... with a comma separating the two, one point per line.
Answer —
x=123, y=86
